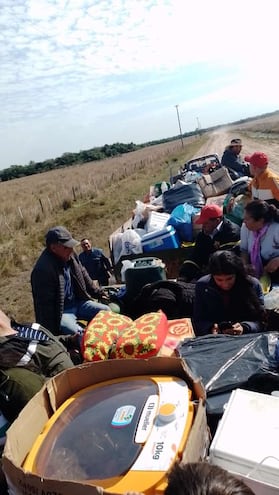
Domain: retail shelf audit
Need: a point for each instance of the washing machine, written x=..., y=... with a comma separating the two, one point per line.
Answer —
x=123, y=434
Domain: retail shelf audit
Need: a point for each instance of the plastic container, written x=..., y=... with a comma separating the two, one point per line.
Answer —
x=160, y=240
x=247, y=438
x=143, y=271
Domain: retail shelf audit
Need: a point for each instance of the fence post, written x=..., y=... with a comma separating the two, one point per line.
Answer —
x=41, y=204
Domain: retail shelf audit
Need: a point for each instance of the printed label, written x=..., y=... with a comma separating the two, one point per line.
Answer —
x=123, y=416
x=147, y=418
x=161, y=446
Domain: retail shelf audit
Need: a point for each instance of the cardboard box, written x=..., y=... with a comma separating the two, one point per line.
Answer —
x=31, y=421
x=216, y=183
x=216, y=200
x=178, y=331
x=156, y=221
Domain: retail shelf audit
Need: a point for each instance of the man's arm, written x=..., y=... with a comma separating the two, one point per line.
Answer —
x=203, y=325
x=91, y=288
x=45, y=290
x=275, y=187
x=5, y=325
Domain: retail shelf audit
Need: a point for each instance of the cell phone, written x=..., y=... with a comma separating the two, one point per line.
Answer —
x=223, y=325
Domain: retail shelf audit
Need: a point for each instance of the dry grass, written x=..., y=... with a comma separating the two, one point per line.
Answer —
x=91, y=200
x=263, y=128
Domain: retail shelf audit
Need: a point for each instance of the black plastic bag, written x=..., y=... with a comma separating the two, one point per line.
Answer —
x=226, y=362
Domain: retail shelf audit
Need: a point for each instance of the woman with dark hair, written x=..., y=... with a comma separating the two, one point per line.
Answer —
x=228, y=300
x=201, y=478
x=259, y=238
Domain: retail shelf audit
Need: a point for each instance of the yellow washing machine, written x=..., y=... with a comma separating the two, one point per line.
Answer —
x=123, y=434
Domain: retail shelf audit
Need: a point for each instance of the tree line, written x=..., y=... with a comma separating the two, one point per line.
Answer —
x=100, y=153
x=67, y=159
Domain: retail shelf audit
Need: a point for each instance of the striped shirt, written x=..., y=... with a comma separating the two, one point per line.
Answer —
x=31, y=332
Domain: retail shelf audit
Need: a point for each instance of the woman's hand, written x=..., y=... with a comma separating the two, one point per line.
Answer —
x=272, y=265
x=235, y=329
x=215, y=329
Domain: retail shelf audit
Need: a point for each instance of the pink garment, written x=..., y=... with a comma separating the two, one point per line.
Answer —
x=255, y=254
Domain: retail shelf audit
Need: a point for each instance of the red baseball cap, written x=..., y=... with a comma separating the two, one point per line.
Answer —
x=208, y=212
x=258, y=159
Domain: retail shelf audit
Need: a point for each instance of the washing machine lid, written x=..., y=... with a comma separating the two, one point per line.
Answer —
x=94, y=437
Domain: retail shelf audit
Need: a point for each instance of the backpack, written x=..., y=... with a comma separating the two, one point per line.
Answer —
x=175, y=299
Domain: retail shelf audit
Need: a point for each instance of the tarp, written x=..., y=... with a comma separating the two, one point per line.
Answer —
x=226, y=362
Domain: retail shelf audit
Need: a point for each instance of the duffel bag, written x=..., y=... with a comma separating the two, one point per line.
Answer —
x=185, y=193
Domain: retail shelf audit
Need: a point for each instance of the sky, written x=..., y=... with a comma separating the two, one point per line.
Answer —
x=76, y=74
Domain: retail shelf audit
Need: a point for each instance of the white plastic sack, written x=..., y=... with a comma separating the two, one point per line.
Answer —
x=138, y=213
x=131, y=243
x=116, y=246
x=271, y=299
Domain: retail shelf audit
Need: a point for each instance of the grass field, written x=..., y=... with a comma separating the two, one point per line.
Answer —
x=90, y=200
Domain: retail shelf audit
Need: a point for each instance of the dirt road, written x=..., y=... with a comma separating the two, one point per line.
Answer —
x=218, y=140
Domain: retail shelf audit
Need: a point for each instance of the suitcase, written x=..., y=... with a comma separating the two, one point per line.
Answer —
x=186, y=193
x=144, y=271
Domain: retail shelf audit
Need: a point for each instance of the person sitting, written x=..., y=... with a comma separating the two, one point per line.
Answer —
x=228, y=300
x=265, y=183
x=96, y=263
x=259, y=238
x=216, y=232
x=31, y=346
x=61, y=287
x=202, y=478
x=232, y=161
x=29, y=355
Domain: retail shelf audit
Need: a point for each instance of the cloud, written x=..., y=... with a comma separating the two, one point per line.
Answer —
x=84, y=59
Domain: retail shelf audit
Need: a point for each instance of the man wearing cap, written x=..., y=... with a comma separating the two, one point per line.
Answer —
x=232, y=161
x=61, y=287
x=265, y=183
x=217, y=232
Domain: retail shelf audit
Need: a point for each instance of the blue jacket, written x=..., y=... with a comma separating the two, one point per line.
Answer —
x=97, y=265
x=210, y=308
x=233, y=162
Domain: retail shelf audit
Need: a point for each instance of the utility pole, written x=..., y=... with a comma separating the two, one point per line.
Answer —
x=199, y=126
x=179, y=125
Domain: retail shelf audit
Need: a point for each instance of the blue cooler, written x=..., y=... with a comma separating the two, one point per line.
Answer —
x=160, y=240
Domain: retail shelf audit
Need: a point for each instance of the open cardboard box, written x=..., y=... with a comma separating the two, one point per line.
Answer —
x=31, y=421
